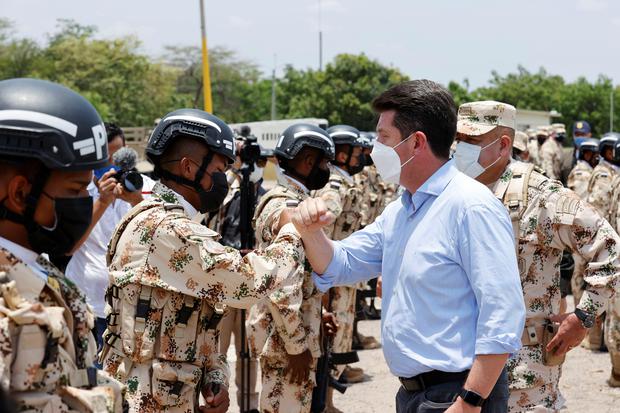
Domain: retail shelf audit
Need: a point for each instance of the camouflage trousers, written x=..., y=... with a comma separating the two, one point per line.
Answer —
x=278, y=395
x=533, y=386
x=612, y=333
x=343, y=307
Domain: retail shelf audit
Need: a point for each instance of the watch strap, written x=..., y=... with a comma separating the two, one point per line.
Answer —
x=472, y=398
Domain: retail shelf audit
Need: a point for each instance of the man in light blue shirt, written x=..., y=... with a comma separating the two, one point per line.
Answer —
x=453, y=307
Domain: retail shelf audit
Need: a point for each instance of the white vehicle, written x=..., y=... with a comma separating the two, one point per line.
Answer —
x=268, y=132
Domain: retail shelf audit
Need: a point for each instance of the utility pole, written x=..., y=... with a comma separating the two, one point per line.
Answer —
x=611, y=109
x=320, y=40
x=206, y=77
x=273, y=88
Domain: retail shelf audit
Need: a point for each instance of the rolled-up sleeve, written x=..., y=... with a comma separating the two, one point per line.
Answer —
x=356, y=258
x=489, y=259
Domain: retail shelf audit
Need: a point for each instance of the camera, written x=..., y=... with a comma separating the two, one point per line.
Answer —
x=250, y=151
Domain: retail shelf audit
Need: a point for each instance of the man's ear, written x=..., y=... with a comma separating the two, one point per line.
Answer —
x=185, y=168
x=18, y=190
x=505, y=145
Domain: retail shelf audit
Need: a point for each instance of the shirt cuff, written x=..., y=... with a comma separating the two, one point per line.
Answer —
x=334, y=269
x=504, y=344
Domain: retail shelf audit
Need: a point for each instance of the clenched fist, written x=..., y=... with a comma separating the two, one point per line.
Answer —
x=311, y=215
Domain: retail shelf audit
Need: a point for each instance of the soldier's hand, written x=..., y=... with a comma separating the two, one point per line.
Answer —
x=380, y=286
x=216, y=403
x=311, y=215
x=569, y=335
x=298, y=367
x=107, y=186
x=330, y=325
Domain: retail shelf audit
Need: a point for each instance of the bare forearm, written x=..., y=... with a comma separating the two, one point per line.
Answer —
x=485, y=372
x=319, y=250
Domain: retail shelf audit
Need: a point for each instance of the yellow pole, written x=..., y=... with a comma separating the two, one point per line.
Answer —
x=206, y=77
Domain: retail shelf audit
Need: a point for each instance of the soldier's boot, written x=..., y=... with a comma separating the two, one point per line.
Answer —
x=351, y=375
x=329, y=403
x=369, y=342
x=594, y=339
x=614, y=379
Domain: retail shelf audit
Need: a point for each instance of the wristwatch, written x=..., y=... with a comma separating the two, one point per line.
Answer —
x=471, y=397
x=587, y=319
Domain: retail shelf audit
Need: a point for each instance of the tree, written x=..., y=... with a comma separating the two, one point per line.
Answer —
x=238, y=92
x=342, y=93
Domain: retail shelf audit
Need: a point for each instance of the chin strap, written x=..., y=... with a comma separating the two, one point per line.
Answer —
x=195, y=184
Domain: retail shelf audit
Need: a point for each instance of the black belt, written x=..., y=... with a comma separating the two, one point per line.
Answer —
x=431, y=378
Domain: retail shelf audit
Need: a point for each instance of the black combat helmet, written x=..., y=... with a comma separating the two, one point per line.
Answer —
x=194, y=123
x=295, y=137
x=49, y=122
x=588, y=144
x=608, y=140
x=344, y=135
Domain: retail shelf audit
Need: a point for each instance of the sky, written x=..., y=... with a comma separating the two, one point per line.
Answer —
x=441, y=40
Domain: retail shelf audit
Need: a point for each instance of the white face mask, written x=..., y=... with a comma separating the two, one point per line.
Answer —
x=387, y=161
x=466, y=157
x=257, y=174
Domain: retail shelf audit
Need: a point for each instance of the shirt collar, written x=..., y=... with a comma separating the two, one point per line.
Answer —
x=347, y=176
x=292, y=183
x=27, y=257
x=609, y=164
x=170, y=196
x=432, y=187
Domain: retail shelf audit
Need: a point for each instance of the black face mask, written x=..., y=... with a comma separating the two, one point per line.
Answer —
x=73, y=217
x=213, y=199
x=541, y=140
x=361, y=163
x=369, y=161
x=317, y=178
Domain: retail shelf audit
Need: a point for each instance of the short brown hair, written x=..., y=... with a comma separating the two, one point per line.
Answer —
x=422, y=105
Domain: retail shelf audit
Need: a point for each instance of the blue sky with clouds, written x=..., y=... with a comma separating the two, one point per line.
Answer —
x=440, y=39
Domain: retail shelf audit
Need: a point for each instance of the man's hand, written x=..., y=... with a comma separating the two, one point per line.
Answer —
x=311, y=215
x=133, y=198
x=569, y=335
x=380, y=286
x=298, y=367
x=330, y=326
x=460, y=406
x=106, y=186
x=216, y=403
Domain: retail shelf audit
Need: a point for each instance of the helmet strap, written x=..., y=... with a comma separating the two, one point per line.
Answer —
x=195, y=184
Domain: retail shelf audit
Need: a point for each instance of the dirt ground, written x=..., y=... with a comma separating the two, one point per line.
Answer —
x=583, y=382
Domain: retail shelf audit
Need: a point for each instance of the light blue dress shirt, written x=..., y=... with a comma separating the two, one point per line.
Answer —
x=451, y=287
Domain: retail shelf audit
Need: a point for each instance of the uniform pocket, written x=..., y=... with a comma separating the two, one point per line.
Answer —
x=175, y=384
x=31, y=341
x=179, y=327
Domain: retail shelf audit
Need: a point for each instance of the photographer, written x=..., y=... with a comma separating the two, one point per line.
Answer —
x=112, y=200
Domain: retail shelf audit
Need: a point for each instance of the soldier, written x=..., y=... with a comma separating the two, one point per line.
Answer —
x=612, y=319
x=581, y=132
x=532, y=146
x=344, y=199
x=550, y=154
x=599, y=188
x=520, y=151
x=547, y=219
x=51, y=139
x=580, y=175
x=169, y=276
x=284, y=329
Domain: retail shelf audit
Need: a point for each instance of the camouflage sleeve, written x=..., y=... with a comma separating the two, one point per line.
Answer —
x=600, y=192
x=285, y=302
x=217, y=370
x=186, y=258
x=585, y=232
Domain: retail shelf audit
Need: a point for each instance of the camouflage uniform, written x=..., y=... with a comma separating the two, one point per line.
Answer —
x=344, y=199
x=548, y=219
x=289, y=320
x=373, y=191
x=578, y=181
x=169, y=278
x=550, y=157
x=612, y=320
x=47, y=349
x=600, y=187
x=534, y=149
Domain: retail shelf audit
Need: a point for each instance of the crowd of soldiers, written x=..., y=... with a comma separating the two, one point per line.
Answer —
x=176, y=289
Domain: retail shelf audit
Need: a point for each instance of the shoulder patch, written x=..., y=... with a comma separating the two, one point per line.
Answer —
x=190, y=229
x=566, y=208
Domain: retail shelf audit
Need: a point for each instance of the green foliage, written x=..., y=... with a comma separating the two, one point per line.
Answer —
x=342, y=93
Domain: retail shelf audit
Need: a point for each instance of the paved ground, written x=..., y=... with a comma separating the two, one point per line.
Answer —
x=583, y=382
